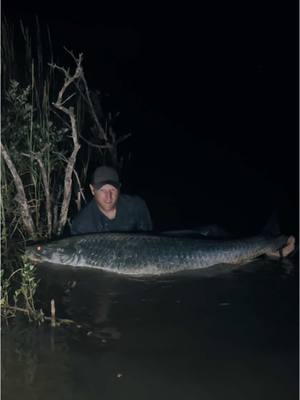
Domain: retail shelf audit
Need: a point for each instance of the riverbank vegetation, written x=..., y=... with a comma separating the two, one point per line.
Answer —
x=53, y=128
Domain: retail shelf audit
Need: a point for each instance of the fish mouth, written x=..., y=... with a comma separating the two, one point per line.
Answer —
x=33, y=256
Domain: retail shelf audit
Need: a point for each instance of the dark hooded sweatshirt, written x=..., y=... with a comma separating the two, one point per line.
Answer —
x=132, y=216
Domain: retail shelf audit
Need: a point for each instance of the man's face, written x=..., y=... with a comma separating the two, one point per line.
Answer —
x=106, y=197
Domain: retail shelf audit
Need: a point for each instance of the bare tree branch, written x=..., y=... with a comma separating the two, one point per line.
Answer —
x=21, y=196
x=105, y=135
x=80, y=192
x=97, y=146
x=101, y=131
x=121, y=139
x=72, y=159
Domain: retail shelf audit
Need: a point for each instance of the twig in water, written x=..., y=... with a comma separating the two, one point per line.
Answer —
x=53, y=320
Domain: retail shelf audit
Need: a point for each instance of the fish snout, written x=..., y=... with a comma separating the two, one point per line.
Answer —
x=34, y=253
x=31, y=255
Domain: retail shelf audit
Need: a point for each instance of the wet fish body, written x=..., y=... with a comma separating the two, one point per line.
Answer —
x=143, y=254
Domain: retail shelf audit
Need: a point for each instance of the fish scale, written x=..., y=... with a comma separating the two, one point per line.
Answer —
x=144, y=254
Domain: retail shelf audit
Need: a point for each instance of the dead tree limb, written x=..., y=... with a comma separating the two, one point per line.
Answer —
x=55, y=209
x=59, y=104
x=106, y=136
x=101, y=131
x=21, y=196
x=87, y=97
x=79, y=193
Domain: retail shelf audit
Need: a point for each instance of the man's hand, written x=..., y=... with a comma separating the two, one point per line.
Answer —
x=286, y=250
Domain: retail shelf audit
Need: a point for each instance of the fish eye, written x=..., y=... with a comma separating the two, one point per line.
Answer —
x=39, y=248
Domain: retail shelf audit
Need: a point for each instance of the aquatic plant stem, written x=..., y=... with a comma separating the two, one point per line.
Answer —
x=45, y=179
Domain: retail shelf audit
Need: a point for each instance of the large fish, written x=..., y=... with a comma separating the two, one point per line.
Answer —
x=145, y=254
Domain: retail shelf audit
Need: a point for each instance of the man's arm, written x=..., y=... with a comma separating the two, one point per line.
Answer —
x=84, y=221
x=75, y=228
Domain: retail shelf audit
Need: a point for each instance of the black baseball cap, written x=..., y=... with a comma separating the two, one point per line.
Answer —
x=105, y=176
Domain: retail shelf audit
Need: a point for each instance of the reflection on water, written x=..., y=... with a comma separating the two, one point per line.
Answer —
x=226, y=332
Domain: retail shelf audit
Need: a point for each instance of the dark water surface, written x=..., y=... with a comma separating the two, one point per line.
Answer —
x=224, y=333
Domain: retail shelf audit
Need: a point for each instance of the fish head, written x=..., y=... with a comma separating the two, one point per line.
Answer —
x=52, y=252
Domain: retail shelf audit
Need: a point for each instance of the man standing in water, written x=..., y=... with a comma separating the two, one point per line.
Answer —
x=109, y=210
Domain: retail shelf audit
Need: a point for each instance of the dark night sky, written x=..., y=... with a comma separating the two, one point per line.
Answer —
x=210, y=96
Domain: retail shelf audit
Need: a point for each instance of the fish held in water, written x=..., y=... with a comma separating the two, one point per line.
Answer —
x=144, y=254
